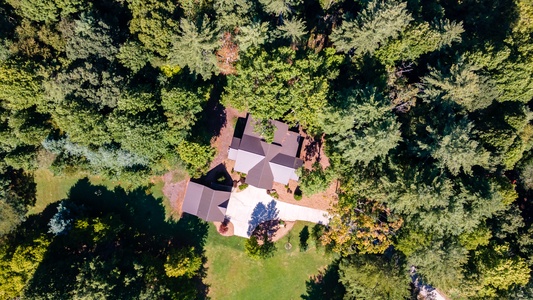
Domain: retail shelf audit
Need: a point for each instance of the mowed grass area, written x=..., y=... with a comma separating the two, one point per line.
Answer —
x=232, y=274
x=51, y=188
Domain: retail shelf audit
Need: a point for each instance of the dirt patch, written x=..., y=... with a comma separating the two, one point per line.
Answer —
x=230, y=164
x=322, y=201
x=311, y=153
x=283, y=230
x=223, y=140
x=227, y=233
x=175, y=192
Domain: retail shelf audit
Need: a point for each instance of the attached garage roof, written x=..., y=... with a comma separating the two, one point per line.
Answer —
x=206, y=203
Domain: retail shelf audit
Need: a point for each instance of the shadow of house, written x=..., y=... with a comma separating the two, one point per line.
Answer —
x=265, y=162
x=217, y=178
x=264, y=214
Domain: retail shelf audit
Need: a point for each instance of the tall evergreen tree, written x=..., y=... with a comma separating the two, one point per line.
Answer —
x=372, y=28
x=195, y=48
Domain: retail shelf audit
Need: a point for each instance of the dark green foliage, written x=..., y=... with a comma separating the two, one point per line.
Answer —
x=89, y=37
x=462, y=86
x=298, y=194
x=117, y=247
x=457, y=150
x=17, y=194
x=316, y=180
x=424, y=107
x=304, y=239
x=194, y=48
x=364, y=129
x=526, y=173
x=325, y=285
x=371, y=277
x=374, y=26
x=279, y=7
x=418, y=40
x=153, y=24
x=265, y=129
x=133, y=56
x=196, y=157
x=259, y=251
x=281, y=85
x=253, y=35
x=294, y=30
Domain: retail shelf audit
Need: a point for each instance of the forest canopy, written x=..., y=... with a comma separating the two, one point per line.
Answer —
x=424, y=106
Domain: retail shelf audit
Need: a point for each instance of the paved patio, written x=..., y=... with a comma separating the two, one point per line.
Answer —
x=247, y=209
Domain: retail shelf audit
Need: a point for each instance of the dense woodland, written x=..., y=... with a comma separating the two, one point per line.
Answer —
x=425, y=107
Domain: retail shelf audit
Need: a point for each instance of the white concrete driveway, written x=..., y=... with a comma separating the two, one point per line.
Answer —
x=249, y=208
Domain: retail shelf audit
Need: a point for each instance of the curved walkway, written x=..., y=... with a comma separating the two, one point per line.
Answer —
x=249, y=208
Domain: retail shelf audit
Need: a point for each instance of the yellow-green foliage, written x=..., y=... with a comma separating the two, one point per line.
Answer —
x=499, y=270
x=169, y=70
x=507, y=191
x=182, y=262
x=478, y=237
x=19, y=87
x=410, y=241
x=196, y=156
x=17, y=268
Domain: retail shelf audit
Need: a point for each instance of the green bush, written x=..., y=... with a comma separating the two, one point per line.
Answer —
x=256, y=251
x=221, y=178
x=197, y=157
x=252, y=247
x=243, y=186
x=298, y=197
x=316, y=180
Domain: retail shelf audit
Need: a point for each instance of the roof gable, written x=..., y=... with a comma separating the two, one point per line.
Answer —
x=206, y=203
x=267, y=162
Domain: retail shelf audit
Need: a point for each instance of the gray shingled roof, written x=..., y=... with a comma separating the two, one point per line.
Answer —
x=263, y=162
x=206, y=203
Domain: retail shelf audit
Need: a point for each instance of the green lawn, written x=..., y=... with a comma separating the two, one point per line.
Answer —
x=52, y=188
x=157, y=192
x=232, y=274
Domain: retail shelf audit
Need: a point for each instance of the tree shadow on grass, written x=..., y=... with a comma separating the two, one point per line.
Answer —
x=325, y=285
x=116, y=248
x=304, y=238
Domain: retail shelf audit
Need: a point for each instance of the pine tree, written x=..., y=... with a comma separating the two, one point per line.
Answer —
x=373, y=27
x=463, y=85
x=253, y=35
x=279, y=8
x=294, y=30
x=195, y=48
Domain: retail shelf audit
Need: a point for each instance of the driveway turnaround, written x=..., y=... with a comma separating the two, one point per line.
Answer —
x=249, y=208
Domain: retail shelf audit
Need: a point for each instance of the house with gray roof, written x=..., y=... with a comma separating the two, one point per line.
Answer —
x=206, y=203
x=263, y=162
